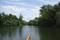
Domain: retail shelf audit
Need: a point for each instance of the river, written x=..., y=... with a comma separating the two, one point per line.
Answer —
x=22, y=35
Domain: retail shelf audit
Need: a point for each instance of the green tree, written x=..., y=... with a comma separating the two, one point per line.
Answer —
x=48, y=16
x=20, y=20
x=10, y=20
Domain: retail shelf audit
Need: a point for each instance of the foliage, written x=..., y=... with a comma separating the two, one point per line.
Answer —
x=33, y=22
x=49, y=16
x=10, y=20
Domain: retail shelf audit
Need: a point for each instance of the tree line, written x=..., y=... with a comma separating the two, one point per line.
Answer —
x=49, y=16
x=9, y=23
x=10, y=20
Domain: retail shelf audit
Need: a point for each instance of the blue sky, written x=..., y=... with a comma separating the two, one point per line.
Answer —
x=28, y=8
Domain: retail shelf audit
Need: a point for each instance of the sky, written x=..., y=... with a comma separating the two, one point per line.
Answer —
x=29, y=9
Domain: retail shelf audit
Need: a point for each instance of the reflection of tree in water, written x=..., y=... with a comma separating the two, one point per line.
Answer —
x=7, y=30
x=8, y=33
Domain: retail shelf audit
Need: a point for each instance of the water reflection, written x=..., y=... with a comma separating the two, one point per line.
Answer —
x=16, y=34
x=33, y=33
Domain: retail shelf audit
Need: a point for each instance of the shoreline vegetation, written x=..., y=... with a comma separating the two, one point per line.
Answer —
x=11, y=20
x=9, y=23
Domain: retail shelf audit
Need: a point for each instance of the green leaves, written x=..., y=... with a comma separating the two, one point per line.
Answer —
x=49, y=16
x=10, y=20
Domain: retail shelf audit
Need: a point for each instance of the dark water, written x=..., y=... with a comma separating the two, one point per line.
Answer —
x=50, y=33
x=15, y=33
x=21, y=35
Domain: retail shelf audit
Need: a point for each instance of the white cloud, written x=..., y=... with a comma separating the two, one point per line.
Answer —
x=10, y=9
x=28, y=13
x=52, y=2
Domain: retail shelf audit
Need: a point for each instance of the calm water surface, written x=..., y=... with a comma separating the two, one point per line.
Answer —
x=21, y=35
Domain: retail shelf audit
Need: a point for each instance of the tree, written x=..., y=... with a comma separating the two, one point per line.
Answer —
x=20, y=19
x=10, y=20
x=48, y=16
